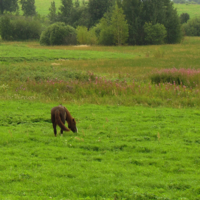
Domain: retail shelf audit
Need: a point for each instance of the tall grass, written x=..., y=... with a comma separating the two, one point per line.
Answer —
x=99, y=90
x=183, y=77
x=118, y=75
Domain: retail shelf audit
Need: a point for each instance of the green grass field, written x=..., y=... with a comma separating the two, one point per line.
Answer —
x=136, y=141
x=192, y=9
x=119, y=153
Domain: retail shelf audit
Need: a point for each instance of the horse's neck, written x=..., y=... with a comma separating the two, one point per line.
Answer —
x=68, y=117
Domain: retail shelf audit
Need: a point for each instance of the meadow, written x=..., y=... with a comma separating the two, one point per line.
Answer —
x=192, y=9
x=119, y=152
x=138, y=139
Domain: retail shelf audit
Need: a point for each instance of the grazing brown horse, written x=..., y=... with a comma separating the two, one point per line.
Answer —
x=58, y=116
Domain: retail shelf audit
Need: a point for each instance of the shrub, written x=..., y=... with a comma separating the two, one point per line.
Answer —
x=58, y=34
x=6, y=28
x=82, y=35
x=154, y=34
x=92, y=38
x=19, y=28
x=86, y=37
x=192, y=27
x=26, y=28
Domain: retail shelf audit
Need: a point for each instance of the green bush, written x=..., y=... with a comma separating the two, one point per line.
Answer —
x=86, y=37
x=192, y=27
x=58, y=34
x=154, y=34
x=92, y=38
x=19, y=28
x=6, y=28
x=26, y=28
x=82, y=35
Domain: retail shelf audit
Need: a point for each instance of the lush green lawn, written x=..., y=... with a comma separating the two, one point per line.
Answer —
x=119, y=152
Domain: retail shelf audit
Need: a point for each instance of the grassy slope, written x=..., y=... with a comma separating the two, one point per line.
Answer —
x=192, y=9
x=42, y=6
x=137, y=153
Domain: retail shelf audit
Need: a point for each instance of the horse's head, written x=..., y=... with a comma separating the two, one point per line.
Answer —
x=72, y=125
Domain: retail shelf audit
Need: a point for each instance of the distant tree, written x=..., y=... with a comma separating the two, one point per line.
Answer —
x=8, y=5
x=97, y=8
x=138, y=12
x=119, y=26
x=184, y=17
x=52, y=12
x=65, y=11
x=172, y=24
x=79, y=16
x=28, y=7
x=105, y=36
x=133, y=12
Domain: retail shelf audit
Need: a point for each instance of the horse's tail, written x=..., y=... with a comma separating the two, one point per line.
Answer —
x=59, y=121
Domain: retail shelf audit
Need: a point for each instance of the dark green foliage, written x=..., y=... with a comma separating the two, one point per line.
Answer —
x=184, y=17
x=97, y=9
x=133, y=11
x=28, y=7
x=58, y=34
x=154, y=34
x=6, y=28
x=154, y=11
x=80, y=16
x=65, y=11
x=192, y=27
x=8, y=5
x=52, y=12
x=26, y=28
x=172, y=25
x=19, y=28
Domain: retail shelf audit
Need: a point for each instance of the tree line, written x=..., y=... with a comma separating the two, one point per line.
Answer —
x=106, y=22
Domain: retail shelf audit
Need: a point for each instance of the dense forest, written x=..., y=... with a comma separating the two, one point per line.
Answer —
x=105, y=22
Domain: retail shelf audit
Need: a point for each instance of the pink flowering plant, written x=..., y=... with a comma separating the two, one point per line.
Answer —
x=186, y=77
